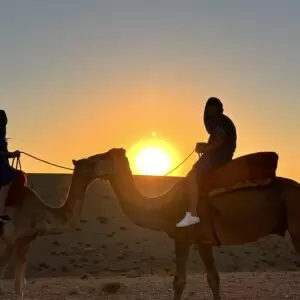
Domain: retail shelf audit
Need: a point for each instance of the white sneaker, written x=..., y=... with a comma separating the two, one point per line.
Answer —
x=188, y=220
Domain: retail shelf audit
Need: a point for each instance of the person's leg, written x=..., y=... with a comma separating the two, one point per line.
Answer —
x=192, y=186
x=199, y=169
x=3, y=196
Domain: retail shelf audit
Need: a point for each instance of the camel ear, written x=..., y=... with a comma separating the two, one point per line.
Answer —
x=74, y=162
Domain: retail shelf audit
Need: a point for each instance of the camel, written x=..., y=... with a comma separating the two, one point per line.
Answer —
x=235, y=216
x=32, y=217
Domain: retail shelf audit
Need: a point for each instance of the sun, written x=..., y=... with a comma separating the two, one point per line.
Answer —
x=152, y=156
x=153, y=161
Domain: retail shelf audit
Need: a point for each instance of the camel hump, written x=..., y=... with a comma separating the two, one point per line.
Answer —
x=254, y=169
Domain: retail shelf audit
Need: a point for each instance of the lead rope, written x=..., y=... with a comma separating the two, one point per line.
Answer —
x=16, y=165
x=47, y=162
x=66, y=168
x=180, y=164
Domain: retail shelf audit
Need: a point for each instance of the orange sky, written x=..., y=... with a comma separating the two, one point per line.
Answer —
x=82, y=130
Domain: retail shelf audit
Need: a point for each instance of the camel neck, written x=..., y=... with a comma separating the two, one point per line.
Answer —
x=141, y=210
x=74, y=203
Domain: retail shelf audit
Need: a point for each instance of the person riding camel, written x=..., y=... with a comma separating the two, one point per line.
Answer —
x=6, y=171
x=218, y=150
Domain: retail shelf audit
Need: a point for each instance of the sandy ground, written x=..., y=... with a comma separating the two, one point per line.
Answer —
x=235, y=286
x=106, y=247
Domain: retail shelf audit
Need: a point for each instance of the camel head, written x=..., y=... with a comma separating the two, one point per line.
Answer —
x=111, y=163
x=93, y=167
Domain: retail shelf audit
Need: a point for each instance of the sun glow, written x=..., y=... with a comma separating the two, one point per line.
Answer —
x=152, y=157
x=153, y=161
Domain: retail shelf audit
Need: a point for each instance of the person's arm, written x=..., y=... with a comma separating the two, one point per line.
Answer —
x=10, y=154
x=217, y=141
x=3, y=147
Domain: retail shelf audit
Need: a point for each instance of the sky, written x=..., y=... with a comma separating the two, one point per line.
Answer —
x=81, y=77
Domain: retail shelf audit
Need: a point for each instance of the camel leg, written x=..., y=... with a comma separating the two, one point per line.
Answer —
x=296, y=241
x=213, y=279
x=182, y=253
x=5, y=257
x=292, y=207
x=22, y=249
x=294, y=230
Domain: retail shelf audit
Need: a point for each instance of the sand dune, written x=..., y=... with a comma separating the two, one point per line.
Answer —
x=106, y=244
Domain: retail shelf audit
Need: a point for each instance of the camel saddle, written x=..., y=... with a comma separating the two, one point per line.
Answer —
x=251, y=170
x=17, y=189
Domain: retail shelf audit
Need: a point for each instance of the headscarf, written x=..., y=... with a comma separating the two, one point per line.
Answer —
x=3, y=118
x=212, y=122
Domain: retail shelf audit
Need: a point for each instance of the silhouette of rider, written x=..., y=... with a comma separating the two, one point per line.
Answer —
x=218, y=150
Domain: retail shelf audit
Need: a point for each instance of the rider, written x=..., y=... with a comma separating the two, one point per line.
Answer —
x=6, y=171
x=218, y=150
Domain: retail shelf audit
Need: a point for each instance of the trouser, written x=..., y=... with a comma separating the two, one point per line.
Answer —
x=6, y=179
x=4, y=190
x=200, y=168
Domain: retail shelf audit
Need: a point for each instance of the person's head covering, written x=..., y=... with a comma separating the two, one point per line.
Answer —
x=211, y=122
x=213, y=101
x=3, y=117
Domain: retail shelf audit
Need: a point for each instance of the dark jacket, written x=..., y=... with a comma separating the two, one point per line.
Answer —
x=6, y=172
x=213, y=126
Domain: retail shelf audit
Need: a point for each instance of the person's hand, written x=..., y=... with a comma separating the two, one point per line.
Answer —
x=200, y=147
x=16, y=154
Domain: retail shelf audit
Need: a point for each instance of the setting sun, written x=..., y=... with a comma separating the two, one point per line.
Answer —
x=153, y=156
x=153, y=161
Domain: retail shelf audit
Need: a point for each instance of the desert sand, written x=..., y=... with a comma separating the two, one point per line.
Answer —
x=107, y=257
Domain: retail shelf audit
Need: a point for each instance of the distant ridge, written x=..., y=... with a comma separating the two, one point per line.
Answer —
x=137, y=176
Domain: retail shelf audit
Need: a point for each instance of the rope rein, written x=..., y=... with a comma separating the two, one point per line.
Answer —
x=16, y=163
x=180, y=164
x=46, y=162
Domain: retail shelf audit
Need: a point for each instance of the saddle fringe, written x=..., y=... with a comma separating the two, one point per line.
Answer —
x=241, y=185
